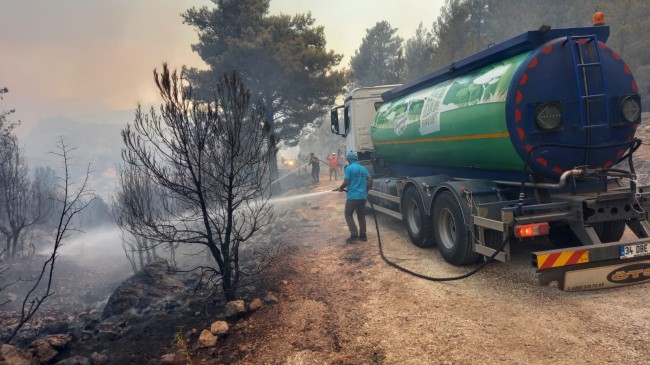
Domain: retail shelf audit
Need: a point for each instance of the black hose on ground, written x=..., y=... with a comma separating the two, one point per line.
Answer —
x=418, y=275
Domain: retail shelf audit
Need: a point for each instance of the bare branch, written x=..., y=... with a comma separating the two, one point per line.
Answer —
x=74, y=201
x=197, y=173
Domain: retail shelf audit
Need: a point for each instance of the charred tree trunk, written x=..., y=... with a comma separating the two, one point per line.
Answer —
x=269, y=128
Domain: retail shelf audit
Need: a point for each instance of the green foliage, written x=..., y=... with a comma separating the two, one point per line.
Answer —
x=469, y=26
x=6, y=126
x=418, y=52
x=453, y=33
x=282, y=60
x=379, y=60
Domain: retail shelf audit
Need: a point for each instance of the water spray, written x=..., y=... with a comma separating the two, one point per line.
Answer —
x=298, y=197
x=290, y=172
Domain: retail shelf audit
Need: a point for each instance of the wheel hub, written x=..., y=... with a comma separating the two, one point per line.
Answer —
x=447, y=227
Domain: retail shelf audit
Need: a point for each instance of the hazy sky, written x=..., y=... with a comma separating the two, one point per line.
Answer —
x=78, y=58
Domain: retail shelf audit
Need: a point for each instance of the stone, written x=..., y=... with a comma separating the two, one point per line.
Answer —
x=240, y=325
x=58, y=342
x=110, y=326
x=15, y=356
x=244, y=350
x=145, y=290
x=219, y=328
x=255, y=304
x=235, y=308
x=107, y=336
x=207, y=339
x=55, y=327
x=86, y=335
x=97, y=358
x=75, y=360
x=270, y=298
x=168, y=359
x=43, y=351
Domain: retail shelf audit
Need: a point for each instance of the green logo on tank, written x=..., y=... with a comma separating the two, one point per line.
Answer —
x=428, y=110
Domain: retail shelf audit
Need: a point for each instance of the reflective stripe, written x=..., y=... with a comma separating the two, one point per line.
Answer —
x=560, y=259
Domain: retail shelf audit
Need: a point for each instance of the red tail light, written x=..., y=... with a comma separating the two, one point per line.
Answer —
x=532, y=230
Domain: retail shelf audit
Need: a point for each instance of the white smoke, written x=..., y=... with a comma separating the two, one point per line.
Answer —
x=95, y=244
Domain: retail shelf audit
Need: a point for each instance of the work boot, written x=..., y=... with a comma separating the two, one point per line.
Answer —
x=363, y=237
x=352, y=239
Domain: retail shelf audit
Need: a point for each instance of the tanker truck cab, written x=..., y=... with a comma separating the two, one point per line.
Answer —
x=530, y=139
x=353, y=119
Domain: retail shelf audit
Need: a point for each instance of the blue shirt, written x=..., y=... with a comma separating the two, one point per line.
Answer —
x=356, y=175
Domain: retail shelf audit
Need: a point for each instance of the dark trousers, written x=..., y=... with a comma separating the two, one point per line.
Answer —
x=314, y=174
x=359, y=206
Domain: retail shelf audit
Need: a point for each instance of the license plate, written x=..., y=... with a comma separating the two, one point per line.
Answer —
x=636, y=250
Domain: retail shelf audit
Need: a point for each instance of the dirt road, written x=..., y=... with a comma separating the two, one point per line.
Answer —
x=341, y=304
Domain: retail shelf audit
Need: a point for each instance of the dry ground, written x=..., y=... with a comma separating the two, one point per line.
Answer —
x=341, y=304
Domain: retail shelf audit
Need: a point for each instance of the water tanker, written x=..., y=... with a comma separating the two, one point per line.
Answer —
x=531, y=138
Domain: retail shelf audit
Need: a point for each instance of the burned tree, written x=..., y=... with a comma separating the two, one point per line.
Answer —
x=138, y=196
x=23, y=203
x=211, y=161
x=71, y=200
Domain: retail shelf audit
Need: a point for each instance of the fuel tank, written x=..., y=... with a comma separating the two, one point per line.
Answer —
x=545, y=102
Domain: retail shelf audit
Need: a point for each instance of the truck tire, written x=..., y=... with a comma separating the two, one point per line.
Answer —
x=453, y=239
x=418, y=224
x=609, y=231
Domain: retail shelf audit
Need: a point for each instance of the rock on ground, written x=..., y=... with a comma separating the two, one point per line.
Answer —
x=153, y=284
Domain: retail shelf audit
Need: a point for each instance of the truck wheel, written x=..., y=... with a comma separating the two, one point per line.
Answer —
x=453, y=239
x=418, y=224
x=609, y=231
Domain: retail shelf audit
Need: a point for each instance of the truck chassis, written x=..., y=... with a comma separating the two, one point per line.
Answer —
x=472, y=220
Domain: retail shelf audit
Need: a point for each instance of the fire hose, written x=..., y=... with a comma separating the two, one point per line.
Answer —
x=421, y=276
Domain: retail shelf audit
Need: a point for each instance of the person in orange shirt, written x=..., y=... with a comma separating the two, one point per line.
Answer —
x=332, y=161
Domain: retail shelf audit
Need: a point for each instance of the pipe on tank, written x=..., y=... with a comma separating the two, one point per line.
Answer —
x=563, y=180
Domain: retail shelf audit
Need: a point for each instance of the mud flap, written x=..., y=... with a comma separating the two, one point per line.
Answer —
x=597, y=275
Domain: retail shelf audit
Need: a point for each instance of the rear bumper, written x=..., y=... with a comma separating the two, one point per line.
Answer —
x=592, y=267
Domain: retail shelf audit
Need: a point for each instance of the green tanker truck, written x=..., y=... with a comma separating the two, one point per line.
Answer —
x=531, y=138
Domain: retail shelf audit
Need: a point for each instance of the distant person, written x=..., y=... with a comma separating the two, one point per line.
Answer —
x=314, y=161
x=358, y=181
x=341, y=161
x=332, y=161
x=299, y=162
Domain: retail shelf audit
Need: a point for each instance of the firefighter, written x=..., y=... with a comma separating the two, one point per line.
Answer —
x=315, y=167
x=358, y=181
x=332, y=162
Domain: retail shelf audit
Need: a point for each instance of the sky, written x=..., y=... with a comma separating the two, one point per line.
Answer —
x=90, y=62
x=78, y=57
